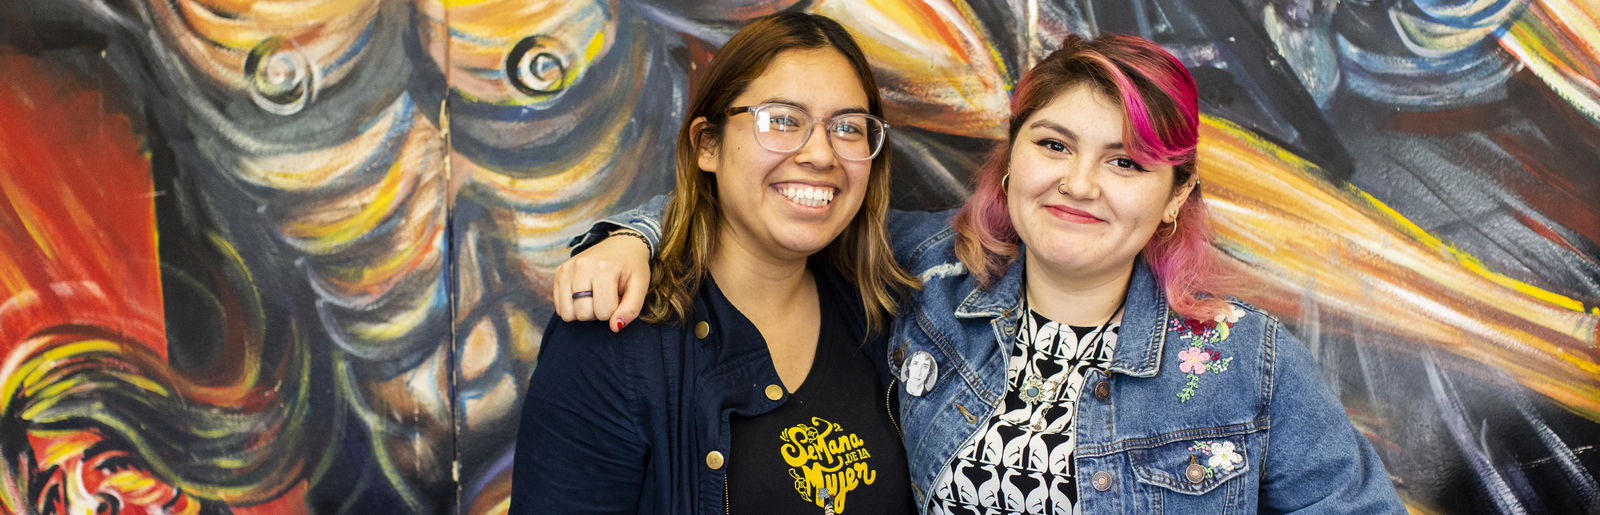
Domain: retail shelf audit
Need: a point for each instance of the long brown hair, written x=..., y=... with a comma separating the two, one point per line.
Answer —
x=689, y=232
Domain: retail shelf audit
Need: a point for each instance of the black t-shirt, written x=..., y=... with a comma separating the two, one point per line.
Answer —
x=834, y=432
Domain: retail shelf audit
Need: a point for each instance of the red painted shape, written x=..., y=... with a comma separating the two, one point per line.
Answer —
x=77, y=210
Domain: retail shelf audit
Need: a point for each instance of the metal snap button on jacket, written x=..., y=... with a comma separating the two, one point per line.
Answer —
x=714, y=460
x=702, y=329
x=1194, y=473
x=1102, y=391
x=774, y=392
x=1101, y=481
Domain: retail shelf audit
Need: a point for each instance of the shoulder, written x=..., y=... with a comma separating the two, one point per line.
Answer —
x=915, y=233
x=588, y=353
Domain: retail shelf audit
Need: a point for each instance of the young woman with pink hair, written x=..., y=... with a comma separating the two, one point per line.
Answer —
x=1071, y=349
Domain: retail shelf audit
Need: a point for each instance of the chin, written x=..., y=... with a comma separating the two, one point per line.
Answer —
x=806, y=237
x=1068, y=253
x=807, y=246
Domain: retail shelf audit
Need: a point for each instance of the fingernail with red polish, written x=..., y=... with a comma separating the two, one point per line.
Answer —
x=619, y=323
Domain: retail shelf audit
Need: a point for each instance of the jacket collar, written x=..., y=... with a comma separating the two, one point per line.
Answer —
x=1145, y=310
x=739, y=335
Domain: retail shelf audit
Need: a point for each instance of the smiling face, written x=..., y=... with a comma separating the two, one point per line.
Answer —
x=1078, y=201
x=789, y=205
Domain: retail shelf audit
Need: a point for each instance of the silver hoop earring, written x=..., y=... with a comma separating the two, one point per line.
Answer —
x=1005, y=185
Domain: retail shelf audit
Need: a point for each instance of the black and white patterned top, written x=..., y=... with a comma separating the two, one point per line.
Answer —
x=1021, y=461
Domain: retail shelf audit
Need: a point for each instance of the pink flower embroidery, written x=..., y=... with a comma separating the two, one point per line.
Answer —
x=1194, y=361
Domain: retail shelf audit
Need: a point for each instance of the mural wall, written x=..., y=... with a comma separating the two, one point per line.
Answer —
x=263, y=256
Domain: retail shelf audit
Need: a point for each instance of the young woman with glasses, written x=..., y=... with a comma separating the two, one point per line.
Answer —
x=758, y=382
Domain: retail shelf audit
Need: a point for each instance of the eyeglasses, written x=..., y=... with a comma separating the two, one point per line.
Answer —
x=854, y=136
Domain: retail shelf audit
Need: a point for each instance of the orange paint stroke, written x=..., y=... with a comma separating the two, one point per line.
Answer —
x=1559, y=41
x=933, y=66
x=1362, y=261
x=77, y=211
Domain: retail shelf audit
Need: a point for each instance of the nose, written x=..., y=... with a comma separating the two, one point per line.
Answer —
x=1079, y=180
x=817, y=152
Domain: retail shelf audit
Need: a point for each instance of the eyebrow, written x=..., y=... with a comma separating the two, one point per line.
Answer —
x=1067, y=133
x=802, y=106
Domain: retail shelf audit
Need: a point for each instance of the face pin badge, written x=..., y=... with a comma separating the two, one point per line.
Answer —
x=919, y=373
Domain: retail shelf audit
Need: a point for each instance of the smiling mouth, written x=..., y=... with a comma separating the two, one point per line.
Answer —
x=807, y=196
x=1077, y=216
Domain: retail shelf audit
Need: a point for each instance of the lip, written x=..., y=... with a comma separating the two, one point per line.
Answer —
x=1077, y=216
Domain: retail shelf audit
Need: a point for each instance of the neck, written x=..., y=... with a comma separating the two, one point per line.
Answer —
x=1074, y=297
x=759, y=283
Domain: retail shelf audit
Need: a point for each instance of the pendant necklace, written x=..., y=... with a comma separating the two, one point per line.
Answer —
x=1035, y=391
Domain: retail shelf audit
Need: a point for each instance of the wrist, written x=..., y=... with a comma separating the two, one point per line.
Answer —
x=626, y=232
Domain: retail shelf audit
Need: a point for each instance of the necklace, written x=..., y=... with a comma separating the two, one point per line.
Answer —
x=1035, y=391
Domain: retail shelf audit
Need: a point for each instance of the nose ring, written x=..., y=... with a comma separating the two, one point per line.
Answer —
x=1061, y=188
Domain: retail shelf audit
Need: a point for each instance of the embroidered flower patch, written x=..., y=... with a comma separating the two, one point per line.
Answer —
x=1200, y=358
x=1223, y=456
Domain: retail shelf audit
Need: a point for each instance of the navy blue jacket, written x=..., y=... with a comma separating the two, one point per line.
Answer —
x=625, y=422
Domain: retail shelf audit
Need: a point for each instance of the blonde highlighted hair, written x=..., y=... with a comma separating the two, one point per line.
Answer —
x=861, y=254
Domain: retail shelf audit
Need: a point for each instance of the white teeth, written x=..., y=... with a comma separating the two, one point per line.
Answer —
x=808, y=196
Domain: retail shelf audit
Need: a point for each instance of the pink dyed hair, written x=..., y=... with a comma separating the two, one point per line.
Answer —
x=1162, y=119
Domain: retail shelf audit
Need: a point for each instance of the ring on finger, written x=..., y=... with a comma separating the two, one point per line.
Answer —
x=582, y=294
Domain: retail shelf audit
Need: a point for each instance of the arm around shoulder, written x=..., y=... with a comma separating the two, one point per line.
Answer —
x=1316, y=461
x=644, y=219
x=579, y=448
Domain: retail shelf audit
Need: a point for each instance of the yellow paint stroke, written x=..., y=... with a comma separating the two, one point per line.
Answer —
x=596, y=44
x=976, y=22
x=935, y=70
x=27, y=210
x=381, y=273
x=66, y=444
x=317, y=168
x=215, y=36
x=333, y=224
x=398, y=324
x=1363, y=261
x=1559, y=42
x=483, y=33
x=252, y=310
x=569, y=177
x=42, y=372
x=1468, y=261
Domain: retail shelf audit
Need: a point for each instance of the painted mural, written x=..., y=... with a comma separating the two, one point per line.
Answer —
x=274, y=256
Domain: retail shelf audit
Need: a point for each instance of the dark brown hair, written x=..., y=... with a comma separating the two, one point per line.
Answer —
x=861, y=253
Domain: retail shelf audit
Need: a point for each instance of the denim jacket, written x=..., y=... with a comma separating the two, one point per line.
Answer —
x=1148, y=430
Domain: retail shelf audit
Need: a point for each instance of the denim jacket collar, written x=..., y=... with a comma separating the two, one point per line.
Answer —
x=1143, y=332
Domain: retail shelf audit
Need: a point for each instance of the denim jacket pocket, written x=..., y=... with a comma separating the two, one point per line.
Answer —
x=1192, y=467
